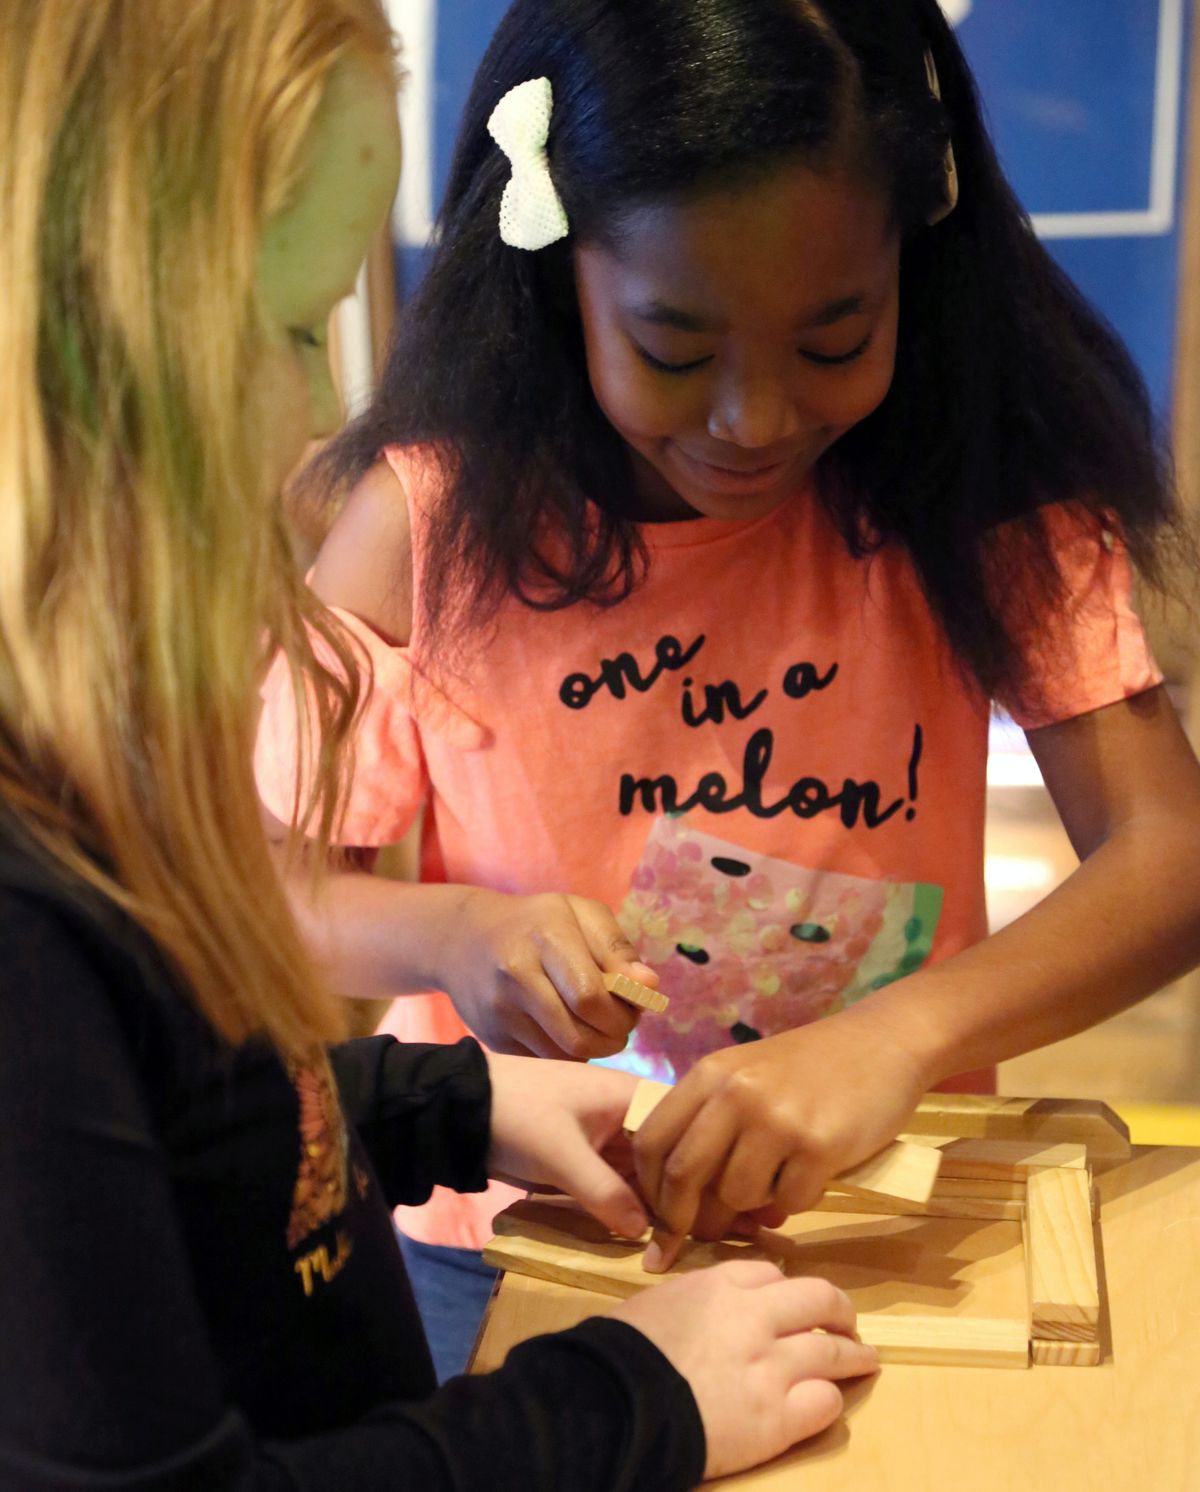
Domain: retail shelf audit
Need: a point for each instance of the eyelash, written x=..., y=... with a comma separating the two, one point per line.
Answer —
x=842, y=358
x=660, y=367
x=820, y=361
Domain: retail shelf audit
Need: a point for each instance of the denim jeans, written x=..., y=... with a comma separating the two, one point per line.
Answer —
x=452, y=1289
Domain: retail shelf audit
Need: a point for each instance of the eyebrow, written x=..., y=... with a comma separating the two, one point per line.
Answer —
x=659, y=314
x=837, y=310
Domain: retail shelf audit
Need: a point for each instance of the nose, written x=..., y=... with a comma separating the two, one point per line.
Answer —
x=754, y=411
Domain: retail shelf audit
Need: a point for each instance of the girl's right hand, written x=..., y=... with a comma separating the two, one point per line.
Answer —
x=526, y=973
x=763, y=1355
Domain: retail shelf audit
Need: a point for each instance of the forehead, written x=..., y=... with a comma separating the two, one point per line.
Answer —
x=311, y=251
x=782, y=248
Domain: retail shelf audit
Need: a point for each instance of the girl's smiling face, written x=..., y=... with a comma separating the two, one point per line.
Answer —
x=732, y=338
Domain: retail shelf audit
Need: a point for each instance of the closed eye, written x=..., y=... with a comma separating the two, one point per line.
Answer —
x=838, y=360
x=660, y=367
x=304, y=336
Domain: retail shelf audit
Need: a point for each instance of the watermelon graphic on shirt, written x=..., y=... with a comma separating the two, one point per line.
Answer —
x=747, y=945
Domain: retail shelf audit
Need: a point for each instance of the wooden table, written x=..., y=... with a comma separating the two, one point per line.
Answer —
x=1130, y=1425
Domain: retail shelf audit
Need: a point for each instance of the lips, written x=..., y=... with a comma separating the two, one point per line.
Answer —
x=729, y=479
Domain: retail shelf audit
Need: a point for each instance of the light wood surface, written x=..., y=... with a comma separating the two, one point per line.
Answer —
x=1131, y=1423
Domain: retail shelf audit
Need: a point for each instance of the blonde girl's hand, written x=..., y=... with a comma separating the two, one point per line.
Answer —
x=526, y=973
x=768, y=1124
x=763, y=1355
x=557, y=1126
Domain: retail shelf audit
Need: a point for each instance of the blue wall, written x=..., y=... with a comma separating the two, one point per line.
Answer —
x=1078, y=95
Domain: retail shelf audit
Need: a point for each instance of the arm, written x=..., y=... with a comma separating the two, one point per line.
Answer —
x=449, y=1116
x=1127, y=786
x=524, y=972
x=111, y=1376
x=775, y=1120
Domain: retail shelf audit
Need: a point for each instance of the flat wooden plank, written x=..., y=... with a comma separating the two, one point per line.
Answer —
x=1000, y=1160
x=527, y=1307
x=979, y=1188
x=646, y=1098
x=946, y=1342
x=1065, y=1354
x=899, y=1265
x=905, y=1171
x=633, y=993
x=1048, y=1121
x=983, y=1209
x=1060, y=1249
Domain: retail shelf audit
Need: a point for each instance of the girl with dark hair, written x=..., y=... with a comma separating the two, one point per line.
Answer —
x=739, y=447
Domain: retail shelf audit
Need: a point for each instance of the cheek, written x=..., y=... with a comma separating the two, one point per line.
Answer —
x=288, y=426
x=638, y=402
x=841, y=403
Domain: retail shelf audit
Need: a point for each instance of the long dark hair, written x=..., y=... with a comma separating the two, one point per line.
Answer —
x=1009, y=392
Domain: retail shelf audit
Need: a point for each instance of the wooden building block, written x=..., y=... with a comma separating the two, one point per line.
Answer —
x=646, y=1098
x=637, y=994
x=924, y=1292
x=1049, y=1121
x=996, y=1191
x=946, y=1341
x=903, y=1171
x=1065, y=1354
x=1060, y=1255
x=981, y=1209
x=1000, y=1160
x=906, y=1172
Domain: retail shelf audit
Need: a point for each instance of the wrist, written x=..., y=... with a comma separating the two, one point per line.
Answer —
x=446, y=927
x=908, y=1026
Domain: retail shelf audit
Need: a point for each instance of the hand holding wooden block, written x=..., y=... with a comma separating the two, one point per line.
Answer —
x=902, y=1171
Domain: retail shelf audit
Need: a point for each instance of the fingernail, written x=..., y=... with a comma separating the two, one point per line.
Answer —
x=652, y=1259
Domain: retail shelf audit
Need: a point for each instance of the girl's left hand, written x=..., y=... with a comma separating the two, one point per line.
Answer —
x=766, y=1125
x=557, y=1126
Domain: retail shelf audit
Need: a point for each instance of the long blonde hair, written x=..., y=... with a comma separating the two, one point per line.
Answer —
x=145, y=572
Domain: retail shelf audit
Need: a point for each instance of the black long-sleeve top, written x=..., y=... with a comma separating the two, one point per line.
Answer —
x=200, y=1289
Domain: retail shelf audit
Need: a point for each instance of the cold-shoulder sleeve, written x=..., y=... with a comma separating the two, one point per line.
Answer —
x=1094, y=651
x=389, y=780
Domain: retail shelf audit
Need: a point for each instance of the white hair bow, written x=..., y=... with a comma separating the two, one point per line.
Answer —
x=531, y=212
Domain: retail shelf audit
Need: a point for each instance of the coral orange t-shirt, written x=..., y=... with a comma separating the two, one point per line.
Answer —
x=766, y=761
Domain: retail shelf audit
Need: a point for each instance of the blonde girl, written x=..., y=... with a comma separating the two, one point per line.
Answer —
x=200, y=1284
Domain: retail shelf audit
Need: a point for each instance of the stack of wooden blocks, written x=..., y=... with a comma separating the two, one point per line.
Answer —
x=983, y=1160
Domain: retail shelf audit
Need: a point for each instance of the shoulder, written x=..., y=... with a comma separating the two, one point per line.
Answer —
x=365, y=565
x=57, y=980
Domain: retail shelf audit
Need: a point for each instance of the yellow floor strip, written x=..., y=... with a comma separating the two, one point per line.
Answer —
x=1161, y=1123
